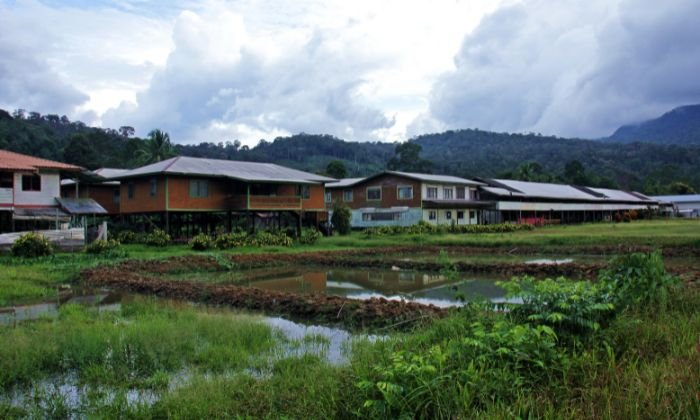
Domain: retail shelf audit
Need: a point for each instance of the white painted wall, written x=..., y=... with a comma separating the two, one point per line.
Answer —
x=50, y=189
x=6, y=196
x=469, y=191
x=443, y=220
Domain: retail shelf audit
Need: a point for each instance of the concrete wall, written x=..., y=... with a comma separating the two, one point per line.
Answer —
x=50, y=189
x=441, y=216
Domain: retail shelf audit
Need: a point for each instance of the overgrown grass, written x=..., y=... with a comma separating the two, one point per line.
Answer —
x=131, y=347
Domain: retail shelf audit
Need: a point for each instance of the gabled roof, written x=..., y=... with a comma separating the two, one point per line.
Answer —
x=619, y=195
x=243, y=171
x=98, y=176
x=19, y=162
x=436, y=179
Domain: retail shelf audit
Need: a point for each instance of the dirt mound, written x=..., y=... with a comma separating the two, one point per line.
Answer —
x=375, y=312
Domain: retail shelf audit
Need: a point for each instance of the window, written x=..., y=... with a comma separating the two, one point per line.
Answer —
x=405, y=192
x=432, y=192
x=328, y=197
x=460, y=193
x=31, y=182
x=6, y=180
x=199, y=188
x=154, y=186
x=304, y=192
x=472, y=214
x=383, y=216
x=347, y=196
x=374, y=193
x=447, y=193
x=432, y=214
x=460, y=215
x=448, y=215
x=130, y=187
x=116, y=196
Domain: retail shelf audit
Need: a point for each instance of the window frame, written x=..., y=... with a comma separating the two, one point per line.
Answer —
x=7, y=179
x=373, y=189
x=444, y=193
x=448, y=214
x=432, y=215
x=33, y=183
x=398, y=192
x=153, y=187
x=327, y=197
x=463, y=190
x=198, y=183
x=428, y=188
x=130, y=190
x=304, y=191
x=352, y=195
x=458, y=214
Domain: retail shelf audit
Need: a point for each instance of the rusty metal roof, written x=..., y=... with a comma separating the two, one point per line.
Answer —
x=19, y=162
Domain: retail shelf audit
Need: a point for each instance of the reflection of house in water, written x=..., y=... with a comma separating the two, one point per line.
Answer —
x=388, y=281
x=290, y=281
x=103, y=302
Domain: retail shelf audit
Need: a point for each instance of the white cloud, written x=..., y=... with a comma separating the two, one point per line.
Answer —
x=572, y=68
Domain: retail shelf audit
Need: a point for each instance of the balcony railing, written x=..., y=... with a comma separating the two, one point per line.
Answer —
x=264, y=202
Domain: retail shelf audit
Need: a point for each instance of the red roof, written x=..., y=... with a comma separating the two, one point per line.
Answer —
x=20, y=162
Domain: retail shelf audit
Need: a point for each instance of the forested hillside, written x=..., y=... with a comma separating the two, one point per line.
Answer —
x=678, y=126
x=651, y=168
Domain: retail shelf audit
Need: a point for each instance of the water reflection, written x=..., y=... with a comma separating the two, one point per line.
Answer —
x=423, y=287
x=103, y=301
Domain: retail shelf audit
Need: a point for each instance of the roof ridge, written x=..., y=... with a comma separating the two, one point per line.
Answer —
x=175, y=159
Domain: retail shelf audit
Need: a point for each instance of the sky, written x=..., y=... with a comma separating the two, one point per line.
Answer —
x=361, y=70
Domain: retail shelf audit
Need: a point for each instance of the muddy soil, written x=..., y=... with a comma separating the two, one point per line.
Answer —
x=372, y=313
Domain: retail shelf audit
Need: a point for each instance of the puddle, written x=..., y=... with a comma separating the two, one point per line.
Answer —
x=102, y=300
x=414, y=286
x=550, y=261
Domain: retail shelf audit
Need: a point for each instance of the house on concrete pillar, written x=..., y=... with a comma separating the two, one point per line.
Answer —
x=185, y=195
x=394, y=198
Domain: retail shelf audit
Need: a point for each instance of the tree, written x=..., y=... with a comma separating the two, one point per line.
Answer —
x=533, y=172
x=336, y=169
x=81, y=151
x=341, y=218
x=407, y=158
x=574, y=173
x=156, y=148
x=681, y=188
x=126, y=131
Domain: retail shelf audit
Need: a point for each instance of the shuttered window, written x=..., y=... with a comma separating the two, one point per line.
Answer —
x=199, y=188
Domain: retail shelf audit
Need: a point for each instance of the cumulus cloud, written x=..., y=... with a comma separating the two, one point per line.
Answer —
x=572, y=68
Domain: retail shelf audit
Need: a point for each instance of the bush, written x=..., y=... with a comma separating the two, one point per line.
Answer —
x=341, y=218
x=231, y=240
x=270, y=238
x=201, y=242
x=102, y=246
x=127, y=237
x=309, y=236
x=157, y=238
x=639, y=278
x=31, y=245
x=423, y=227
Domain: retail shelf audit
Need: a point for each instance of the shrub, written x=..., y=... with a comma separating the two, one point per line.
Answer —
x=574, y=309
x=423, y=227
x=127, y=237
x=639, y=278
x=102, y=246
x=270, y=238
x=201, y=242
x=31, y=245
x=309, y=236
x=341, y=218
x=157, y=238
x=231, y=240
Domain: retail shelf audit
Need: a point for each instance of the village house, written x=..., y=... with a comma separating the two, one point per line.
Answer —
x=96, y=186
x=394, y=198
x=29, y=188
x=186, y=194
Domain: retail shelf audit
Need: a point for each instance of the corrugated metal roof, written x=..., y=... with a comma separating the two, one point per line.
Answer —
x=440, y=179
x=244, y=171
x=345, y=182
x=546, y=190
x=94, y=176
x=618, y=195
x=20, y=162
x=685, y=198
x=81, y=206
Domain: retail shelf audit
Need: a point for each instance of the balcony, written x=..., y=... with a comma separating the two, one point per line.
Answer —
x=264, y=202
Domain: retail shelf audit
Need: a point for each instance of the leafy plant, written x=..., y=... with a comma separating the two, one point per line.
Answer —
x=270, y=238
x=341, y=218
x=231, y=240
x=639, y=279
x=102, y=246
x=201, y=242
x=128, y=237
x=157, y=238
x=31, y=245
x=309, y=236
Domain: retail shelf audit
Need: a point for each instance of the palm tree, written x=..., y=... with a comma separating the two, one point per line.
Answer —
x=156, y=148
